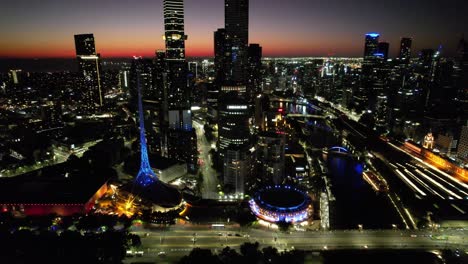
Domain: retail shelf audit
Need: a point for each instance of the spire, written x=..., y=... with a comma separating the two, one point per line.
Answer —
x=145, y=176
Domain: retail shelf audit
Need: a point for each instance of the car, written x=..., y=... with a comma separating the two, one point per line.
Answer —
x=220, y=234
x=237, y=235
x=162, y=254
x=413, y=235
x=229, y=234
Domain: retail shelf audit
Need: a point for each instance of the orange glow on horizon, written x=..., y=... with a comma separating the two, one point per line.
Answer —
x=195, y=48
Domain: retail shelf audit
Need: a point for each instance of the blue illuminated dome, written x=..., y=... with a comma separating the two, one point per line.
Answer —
x=281, y=203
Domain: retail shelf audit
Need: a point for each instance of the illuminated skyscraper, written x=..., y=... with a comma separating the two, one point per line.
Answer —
x=90, y=68
x=220, y=55
x=236, y=17
x=178, y=92
x=234, y=114
x=174, y=29
x=254, y=71
x=371, y=47
x=405, y=49
x=382, y=50
x=181, y=135
x=234, y=140
x=365, y=95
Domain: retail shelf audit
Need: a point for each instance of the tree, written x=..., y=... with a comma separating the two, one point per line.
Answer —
x=134, y=240
x=270, y=255
x=245, y=217
x=198, y=255
x=250, y=252
x=229, y=255
x=284, y=226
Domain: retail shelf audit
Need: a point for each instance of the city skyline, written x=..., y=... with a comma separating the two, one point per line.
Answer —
x=319, y=131
x=306, y=28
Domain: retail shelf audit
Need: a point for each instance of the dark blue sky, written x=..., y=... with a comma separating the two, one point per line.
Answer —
x=45, y=28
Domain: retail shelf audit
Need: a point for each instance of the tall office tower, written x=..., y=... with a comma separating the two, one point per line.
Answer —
x=428, y=60
x=193, y=69
x=51, y=114
x=220, y=56
x=236, y=171
x=405, y=50
x=234, y=114
x=181, y=142
x=178, y=92
x=15, y=76
x=254, y=71
x=382, y=50
x=159, y=82
x=141, y=69
x=90, y=68
x=124, y=78
x=271, y=156
x=159, y=75
x=371, y=47
x=233, y=108
x=365, y=97
x=234, y=140
x=262, y=105
x=236, y=15
x=174, y=29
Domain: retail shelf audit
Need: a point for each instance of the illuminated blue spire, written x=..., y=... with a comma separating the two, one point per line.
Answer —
x=145, y=176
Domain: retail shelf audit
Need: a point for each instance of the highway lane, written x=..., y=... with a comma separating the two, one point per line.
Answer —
x=440, y=183
x=210, y=180
x=340, y=239
x=429, y=182
x=179, y=242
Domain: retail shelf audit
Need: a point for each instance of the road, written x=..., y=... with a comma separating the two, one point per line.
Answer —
x=60, y=156
x=426, y=180
x=210, y=179
x=436, y=191
x=179, y=241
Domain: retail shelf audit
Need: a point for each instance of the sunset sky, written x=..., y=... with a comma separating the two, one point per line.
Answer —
x=122, y=28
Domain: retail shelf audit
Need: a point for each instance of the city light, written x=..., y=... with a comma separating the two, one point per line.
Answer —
x=215, y=144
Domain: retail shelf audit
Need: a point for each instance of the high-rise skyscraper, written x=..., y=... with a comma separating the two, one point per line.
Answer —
x=382, y=50
x=181, y=135
x=178, y=91
x=232, y=65
x=365, y=96
x=174, y=30
x=254, y=71
x=371, y=47
x=220, y=56
x=84, y=44
x=405, y=49
x=90, y=68
x=234, y=140
x=236, y=17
